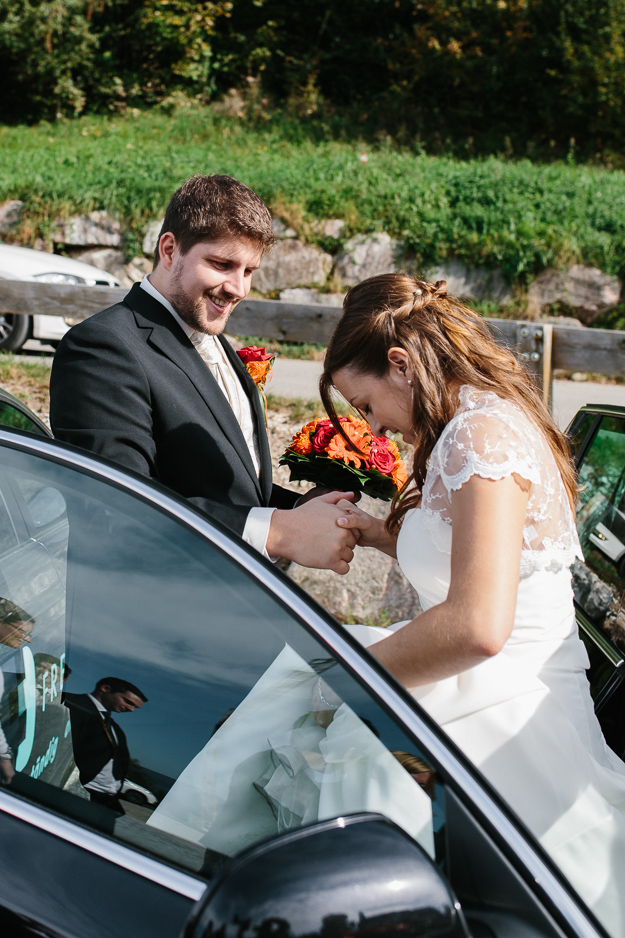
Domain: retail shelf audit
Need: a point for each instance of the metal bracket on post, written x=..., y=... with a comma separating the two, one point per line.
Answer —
x=534, y=346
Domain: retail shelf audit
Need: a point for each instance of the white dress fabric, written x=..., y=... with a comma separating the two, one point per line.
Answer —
x=524, y=716
x=271, y=767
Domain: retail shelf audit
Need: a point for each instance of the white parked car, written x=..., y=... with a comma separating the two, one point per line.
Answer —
x=18, y=263
x=137, y=794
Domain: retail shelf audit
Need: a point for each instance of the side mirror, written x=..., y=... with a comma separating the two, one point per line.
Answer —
x=347, y=878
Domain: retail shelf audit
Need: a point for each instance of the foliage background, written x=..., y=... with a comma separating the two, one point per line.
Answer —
x=489, y=212
x=526, y=77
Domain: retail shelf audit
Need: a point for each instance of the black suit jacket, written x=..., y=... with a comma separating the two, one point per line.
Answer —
x=128, y=384
x=92, y=747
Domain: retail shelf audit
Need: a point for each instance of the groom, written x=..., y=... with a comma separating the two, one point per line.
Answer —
x=151, y=384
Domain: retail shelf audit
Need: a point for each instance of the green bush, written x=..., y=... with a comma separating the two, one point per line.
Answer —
x=520, y=216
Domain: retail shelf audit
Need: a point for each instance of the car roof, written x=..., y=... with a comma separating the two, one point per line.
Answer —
x=18, y=263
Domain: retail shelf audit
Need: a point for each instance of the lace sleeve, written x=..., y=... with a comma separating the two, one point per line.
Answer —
x=486, y=444
x=492, y=438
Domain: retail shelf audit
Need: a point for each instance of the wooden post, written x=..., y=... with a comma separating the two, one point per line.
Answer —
x=534, y=343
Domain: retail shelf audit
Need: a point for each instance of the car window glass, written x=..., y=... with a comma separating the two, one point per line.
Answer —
x=231, y=723
x=11, y=416
x=599, y=580
x=44, y=503
x=580, y=430
x=8, y=538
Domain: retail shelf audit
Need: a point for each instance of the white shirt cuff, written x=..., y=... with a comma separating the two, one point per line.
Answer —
x=256, y=530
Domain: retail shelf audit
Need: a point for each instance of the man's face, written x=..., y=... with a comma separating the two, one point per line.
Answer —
x=123, y=701
x=15, y=634
x=205, y=284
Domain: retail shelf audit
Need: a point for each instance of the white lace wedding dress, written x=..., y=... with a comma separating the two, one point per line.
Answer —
x=525, y=716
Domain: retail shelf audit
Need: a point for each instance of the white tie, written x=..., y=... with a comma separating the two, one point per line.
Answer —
x=212, y=353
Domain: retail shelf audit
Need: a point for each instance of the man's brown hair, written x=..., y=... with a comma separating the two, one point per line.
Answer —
x=207, y=208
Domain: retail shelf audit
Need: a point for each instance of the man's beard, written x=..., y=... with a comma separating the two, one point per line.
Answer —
x=193, y=312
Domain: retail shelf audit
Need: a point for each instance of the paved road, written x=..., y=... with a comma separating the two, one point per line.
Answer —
x=299, y=379
x=295, y=379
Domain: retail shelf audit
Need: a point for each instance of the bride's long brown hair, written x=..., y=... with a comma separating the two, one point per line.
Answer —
x=446, y=343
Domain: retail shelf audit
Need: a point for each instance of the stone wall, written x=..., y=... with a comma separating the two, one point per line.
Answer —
x=293, y=264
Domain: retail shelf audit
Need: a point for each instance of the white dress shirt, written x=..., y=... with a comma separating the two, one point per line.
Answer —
x=104, y=781
x=256, y=530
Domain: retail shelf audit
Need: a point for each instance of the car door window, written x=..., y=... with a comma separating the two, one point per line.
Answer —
x=8, y=537
x=11, y=416
x=599, y=581
x=222, y=721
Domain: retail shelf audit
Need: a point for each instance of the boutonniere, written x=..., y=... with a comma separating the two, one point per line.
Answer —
x=259, y=364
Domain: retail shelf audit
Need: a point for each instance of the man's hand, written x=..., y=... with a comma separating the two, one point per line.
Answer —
x=310, y=534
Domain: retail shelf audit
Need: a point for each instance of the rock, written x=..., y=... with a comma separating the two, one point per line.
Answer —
x=42, y=245
x=10, y=215
x=97, y=228
x=281, y=229
x=592, y=594
x=333, y=228
x=587, y=290
x=291, y=264
x=151, y=236
x=305, y=295
x=138, y=268
x=365, y=256
x=108, y=259
x=579, y=376
x=471, y=282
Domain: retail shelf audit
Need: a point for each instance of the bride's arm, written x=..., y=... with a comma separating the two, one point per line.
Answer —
x=476, y=619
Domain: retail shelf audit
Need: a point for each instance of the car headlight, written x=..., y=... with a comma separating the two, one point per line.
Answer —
x=58, y=278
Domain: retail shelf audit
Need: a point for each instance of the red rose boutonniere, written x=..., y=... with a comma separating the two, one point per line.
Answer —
x=259, y=364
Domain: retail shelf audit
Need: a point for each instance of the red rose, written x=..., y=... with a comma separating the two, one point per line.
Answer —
x=381, y=459
x=325, y=432
x=252, y=353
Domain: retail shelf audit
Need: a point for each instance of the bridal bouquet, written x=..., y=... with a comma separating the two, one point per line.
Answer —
x=319, y=454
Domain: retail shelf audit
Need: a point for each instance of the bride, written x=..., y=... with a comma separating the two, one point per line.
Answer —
x=485, y=533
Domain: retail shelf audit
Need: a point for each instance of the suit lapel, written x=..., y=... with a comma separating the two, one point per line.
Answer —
x=164, y=333
x=261, y=430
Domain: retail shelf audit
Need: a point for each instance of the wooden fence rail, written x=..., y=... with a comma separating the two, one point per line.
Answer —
x=542, y=346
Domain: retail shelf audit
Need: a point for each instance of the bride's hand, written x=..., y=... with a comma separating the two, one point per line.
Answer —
x=371, y=530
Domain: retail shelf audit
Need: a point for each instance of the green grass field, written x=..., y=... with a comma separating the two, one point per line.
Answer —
x=520, y=216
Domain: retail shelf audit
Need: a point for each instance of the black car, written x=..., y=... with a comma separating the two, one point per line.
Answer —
x=115, y=576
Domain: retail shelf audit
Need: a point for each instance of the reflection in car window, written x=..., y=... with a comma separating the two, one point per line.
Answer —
x=580, y=430
x=8, y=538
x=44, y=503
x=600, y=580
x=180, y=675
x=10, y=416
